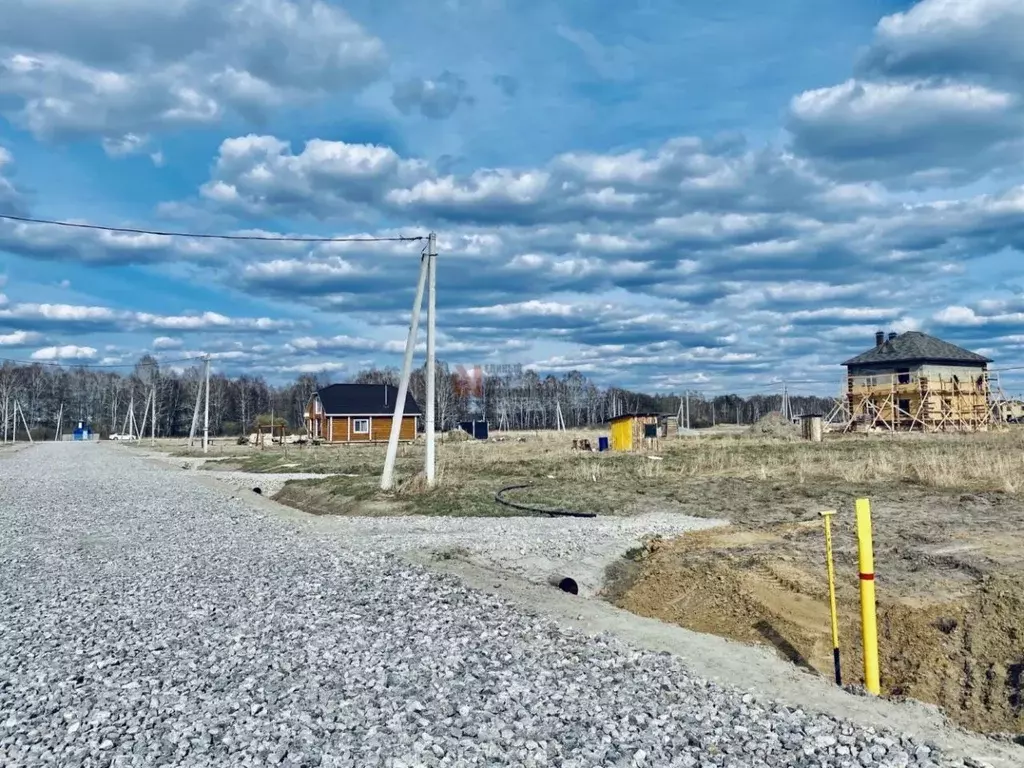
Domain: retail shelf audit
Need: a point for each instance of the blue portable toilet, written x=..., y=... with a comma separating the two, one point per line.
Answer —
x=602, y=443
x=82, y=431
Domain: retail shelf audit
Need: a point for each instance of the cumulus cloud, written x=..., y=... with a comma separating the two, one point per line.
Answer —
x=932, y=134
x=938, y=100
x=959, y=38
x=11, y=200
x=166, y=342
x=98, y=318
x=261, y=175
x=436, y=99
x=133, y=66
x=66, y=352
x=20, y=339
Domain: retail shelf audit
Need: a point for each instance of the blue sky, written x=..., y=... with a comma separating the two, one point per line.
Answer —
x=661, y=194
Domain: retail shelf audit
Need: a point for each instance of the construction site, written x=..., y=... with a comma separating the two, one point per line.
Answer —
x=922, y=431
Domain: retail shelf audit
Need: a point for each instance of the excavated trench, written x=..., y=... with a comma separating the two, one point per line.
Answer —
x=959, y=645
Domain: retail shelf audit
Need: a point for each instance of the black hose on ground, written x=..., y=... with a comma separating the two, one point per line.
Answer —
x=552, y=511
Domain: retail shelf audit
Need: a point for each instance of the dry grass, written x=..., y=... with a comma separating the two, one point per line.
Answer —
x=981, y=462
x=469, y=472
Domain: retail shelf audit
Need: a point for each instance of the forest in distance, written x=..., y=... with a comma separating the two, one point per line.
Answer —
x=527, y=400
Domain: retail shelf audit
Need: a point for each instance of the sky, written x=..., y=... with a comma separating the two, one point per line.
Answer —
x=660, y=194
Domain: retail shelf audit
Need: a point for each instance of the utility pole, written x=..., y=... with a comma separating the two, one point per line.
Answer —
x=387, y=477
x=24, y=421
x=195, y=415
x=152, y=429
x=60, y=420
x=431, y=368
x=206, y=418
x=687, y=409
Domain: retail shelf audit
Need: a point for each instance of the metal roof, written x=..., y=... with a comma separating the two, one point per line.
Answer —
x=914, y=346
x=364, y=400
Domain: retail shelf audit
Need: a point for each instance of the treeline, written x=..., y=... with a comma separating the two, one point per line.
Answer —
x=523, y=400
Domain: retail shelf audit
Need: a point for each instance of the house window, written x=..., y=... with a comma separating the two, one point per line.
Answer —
x=903, y=375
x=361, y=426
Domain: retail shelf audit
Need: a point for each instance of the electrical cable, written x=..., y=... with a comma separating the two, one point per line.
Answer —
x=552, y=511
x=109, y=366
x=210, y=235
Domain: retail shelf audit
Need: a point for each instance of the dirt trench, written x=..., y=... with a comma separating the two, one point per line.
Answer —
x=950, y=633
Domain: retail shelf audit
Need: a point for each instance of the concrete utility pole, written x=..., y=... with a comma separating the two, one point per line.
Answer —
x=431, y=392
x=387, y=477
x=206, y=418
x=687, y=409
x=195, y=415
x=152, y=429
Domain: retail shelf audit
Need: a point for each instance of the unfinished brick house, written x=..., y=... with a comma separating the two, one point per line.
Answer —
x=913, y=381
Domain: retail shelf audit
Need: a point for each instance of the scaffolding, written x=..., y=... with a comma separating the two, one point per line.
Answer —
x=907, y=402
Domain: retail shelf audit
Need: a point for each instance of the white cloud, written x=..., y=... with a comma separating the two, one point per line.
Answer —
x=965, y=38
x=921, y=133
x=134, y=66
x=20, y=338
x=261, y=174
x=166, y=342
x=66, y=352
x=71, y=315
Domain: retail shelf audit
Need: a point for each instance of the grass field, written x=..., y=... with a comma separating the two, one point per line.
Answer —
x=948, y=522
x=469, y=472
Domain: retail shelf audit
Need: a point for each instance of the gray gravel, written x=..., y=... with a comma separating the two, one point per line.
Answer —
x=149, y=620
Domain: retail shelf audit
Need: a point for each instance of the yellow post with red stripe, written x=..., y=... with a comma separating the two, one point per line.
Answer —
x=868, y=619
x=830, y=569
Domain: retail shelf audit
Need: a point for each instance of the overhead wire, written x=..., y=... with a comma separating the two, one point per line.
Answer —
x=211, y=235
x=111, y=366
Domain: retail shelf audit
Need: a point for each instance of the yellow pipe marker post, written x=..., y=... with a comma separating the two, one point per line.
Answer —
x=827, y=517
x=868, y=621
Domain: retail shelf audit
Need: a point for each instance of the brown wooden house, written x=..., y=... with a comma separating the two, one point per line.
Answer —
x=358, y=413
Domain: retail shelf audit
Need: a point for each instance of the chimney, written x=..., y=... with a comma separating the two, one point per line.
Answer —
x=385, y=395
x=879, y=338
x=892, y=335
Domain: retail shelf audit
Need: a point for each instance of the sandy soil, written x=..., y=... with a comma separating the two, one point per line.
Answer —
x=950, y=583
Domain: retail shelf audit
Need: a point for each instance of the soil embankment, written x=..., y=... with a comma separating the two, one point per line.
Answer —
x=951, y=602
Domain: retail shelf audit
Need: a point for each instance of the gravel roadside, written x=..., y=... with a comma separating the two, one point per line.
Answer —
x=147, y=619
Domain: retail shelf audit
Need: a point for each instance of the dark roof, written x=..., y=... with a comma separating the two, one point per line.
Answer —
x=364, y=400
x=914, y=346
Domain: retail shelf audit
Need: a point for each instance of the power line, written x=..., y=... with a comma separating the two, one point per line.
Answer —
x=73, y=364
x=213, y=236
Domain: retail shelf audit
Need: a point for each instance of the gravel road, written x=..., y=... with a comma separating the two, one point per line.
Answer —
x=147, y=619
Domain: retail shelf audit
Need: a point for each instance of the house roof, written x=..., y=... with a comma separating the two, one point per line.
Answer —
x=364, y=400
x=914, y=346
x=636, y=416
